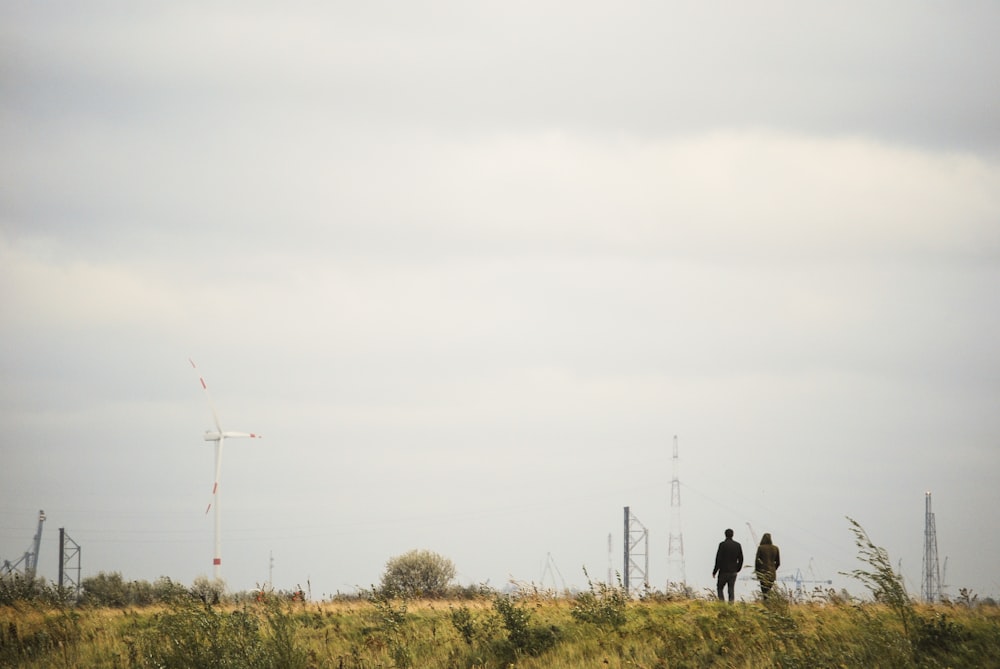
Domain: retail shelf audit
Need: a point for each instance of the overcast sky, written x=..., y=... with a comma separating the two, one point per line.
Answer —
x=470, y=266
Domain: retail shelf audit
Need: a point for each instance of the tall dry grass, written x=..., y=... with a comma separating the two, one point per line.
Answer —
x=532, y=631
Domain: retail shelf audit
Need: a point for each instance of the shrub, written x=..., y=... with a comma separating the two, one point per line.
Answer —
x=110, y=589
x=464, y=622
x=418, y=573
x=391, y=620
x=193, y=635
x=16, y=588
x=522, y=637
x=209, y=591
x=936, y=633
x=602, y=605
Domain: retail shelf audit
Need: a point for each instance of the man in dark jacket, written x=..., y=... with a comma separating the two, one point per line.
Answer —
x=728, y=562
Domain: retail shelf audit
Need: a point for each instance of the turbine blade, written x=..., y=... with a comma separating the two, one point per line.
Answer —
x=218, y=469
x=208, y=395
x=218, y=474
x=215, y=489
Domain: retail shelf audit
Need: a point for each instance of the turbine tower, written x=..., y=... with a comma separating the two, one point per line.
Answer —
x=611, y=568
x=675, y=545
x=218, y=437
x=930, y=587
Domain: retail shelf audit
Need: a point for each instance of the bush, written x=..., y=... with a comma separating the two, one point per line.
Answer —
x=464, y=623
x=166, y=591
x=193, y=635
x=16, y=588
x=208, y=591
x=521, y=635
x=418, y=573
x=110, y=589
x=602, y=605
x=938, y=634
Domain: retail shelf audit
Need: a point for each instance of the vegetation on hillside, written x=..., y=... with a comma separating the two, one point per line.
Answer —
x=531, y=630
x=127, y=624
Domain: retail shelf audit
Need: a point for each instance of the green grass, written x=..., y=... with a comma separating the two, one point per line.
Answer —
x=494, y=631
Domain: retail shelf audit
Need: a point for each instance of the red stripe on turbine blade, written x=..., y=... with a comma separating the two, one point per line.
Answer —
x=207, y=508
x=203, y=384
x=217, y=561
x=215, y=487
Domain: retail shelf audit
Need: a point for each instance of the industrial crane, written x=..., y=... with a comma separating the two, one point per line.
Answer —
x=30, y=558
x=753, y=534
x=797, y=579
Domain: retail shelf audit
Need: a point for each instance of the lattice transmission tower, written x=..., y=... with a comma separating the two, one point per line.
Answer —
x=930, y=586
x=675, y=546
x=636, y=553
x=69, y=563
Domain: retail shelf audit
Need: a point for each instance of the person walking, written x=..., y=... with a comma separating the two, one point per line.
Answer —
x=767, y=563
x=728, y=562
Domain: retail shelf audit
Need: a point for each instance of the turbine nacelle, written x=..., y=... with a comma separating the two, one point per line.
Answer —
x=211, y=435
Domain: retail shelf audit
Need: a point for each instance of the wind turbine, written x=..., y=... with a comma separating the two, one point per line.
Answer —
x=219, y=437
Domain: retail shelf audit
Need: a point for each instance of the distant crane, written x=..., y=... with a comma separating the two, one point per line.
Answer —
x=795, y=578
x=750, y=564
x=799, y=581
x=552, y=571
x=30, y=558
x=753, y=534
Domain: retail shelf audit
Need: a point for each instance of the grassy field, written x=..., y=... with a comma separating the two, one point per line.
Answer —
x=597, y=629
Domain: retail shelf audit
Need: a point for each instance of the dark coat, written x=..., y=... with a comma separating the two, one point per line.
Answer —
x=768, y=559
x=729, y=557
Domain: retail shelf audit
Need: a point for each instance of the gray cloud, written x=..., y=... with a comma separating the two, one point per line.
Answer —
x=917, y=76
x=469, y=269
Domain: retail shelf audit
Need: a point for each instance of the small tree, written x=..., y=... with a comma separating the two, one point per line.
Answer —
x=208, y=591
x=417, y=573
x=106, y=589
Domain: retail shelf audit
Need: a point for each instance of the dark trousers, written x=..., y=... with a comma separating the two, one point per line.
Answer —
x=727, y=579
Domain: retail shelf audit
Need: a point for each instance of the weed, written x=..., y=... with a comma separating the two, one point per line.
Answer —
x=522, y=637
x=389, y=616
x=602, y=605
x=497, y=631
x=885, y=584
x=937, y=633
x=464, y=622
x=195, y=635
x=391, y=619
